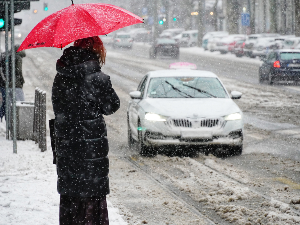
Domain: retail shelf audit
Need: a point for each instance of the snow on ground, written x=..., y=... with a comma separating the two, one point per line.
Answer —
x=28, y=185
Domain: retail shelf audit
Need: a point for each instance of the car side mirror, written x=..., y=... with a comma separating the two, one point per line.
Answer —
x=236, y=95
x=135, y=95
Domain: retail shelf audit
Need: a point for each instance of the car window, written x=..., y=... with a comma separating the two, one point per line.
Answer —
x=185, y=87
x=271, y=57
x=142, y=85
x=288, y=42
x=165, y=41
x=289, y=55
x=185, y=35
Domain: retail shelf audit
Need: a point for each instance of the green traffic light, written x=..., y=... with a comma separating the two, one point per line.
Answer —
x=2, y=23
x=174, y=19
x=161, y=22
x=46, y=8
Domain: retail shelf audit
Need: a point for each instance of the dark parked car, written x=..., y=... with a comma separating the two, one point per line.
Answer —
x=165, y=47
x=280, y=65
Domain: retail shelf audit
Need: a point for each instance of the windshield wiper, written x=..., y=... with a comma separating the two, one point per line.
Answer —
x=201, y=91
x=176, y=89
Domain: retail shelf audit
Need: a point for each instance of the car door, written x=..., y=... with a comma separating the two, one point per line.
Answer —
x=134, y=107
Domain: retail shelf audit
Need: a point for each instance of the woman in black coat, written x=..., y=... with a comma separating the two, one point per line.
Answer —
x=81, y=95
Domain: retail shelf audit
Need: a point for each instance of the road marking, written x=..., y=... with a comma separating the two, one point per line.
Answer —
x=293, y=88
x=255, y=136
x=289, y=132
x=289, y=182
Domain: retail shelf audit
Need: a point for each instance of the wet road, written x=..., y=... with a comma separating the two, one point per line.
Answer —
x=198, y=189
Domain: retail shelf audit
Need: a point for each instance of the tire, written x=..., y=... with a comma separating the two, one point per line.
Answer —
x=270, y=79
x=260, y=78
x=175, y=56
x=129, y=135
x=237, y=150
x=143, y=149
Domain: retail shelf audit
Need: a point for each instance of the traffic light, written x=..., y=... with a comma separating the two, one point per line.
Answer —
x=46, y=7
x=2, y=23
x=161, y=22
x=174, y=19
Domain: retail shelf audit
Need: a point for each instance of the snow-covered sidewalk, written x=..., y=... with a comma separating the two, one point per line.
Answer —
x=28, y=185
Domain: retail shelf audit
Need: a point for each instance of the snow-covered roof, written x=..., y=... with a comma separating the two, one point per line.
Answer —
x=181, y=73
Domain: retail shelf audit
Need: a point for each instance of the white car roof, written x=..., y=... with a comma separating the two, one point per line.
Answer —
x=181, y=73
x=190, y=31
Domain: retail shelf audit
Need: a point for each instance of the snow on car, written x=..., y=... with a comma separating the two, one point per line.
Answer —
x=184, y=107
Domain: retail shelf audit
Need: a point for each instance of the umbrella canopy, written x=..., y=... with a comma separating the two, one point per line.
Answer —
x=76, y=22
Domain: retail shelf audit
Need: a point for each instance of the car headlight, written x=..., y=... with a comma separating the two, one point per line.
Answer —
x=155, y=117
x=234, y=116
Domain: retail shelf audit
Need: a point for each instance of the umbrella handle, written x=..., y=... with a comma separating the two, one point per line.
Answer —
x=72, y=2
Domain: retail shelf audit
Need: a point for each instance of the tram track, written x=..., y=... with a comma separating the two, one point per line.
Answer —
x=205, y=209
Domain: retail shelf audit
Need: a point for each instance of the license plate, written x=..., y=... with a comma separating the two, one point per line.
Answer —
x=196, y=134
x=293, y=65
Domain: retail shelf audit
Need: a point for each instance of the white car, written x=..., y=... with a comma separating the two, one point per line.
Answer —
x=184, y=107
x=123, y=40
x=173, y=32
x=107, y=39
x=189, y=38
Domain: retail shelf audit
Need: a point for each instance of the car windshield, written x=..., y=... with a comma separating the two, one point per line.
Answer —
x=165, y=41
x=186, y=87
x=252, y=38
x=289, y=55
x=185, y=35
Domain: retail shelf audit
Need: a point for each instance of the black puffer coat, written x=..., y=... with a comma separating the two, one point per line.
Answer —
x=81, y=94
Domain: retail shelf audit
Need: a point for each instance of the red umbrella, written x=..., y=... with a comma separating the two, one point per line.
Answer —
x=78, y=21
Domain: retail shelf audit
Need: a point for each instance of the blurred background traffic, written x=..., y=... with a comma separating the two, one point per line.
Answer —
x=249, y=28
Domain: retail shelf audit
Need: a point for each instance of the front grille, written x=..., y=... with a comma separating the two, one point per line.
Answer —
x=209, y=123
x=196, y=123
x=182, y=123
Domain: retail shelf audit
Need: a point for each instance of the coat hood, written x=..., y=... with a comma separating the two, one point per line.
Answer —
x=77, y=62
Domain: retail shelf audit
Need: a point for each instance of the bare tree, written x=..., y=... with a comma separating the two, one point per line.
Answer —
x=200, y=22
x=252, y=7
x=297, y=18
x=215, y=18
x=273, y=13
x=233, y=16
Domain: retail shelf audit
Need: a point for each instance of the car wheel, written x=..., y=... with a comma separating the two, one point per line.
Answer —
x=260, y=78
x=252, y=56
x=176, y=56
x=143, y=149
x=130, y=139
x=237, y=150
x=270, y=79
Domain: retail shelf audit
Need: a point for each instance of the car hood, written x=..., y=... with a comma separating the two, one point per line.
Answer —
x=182, y=108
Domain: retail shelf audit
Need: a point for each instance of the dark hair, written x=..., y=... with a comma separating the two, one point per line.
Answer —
x=93, y=44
